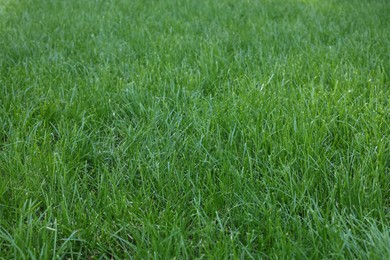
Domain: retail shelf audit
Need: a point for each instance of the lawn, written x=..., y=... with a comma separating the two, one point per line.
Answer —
x=230, y=129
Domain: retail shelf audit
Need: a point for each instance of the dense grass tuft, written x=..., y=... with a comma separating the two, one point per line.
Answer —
x=195, y=129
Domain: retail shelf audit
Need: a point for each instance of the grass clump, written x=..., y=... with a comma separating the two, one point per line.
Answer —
x=194, y=129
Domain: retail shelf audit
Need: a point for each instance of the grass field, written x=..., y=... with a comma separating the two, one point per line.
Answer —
x=195, y=129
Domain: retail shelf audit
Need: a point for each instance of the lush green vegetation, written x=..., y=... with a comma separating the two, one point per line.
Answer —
x=194, y=129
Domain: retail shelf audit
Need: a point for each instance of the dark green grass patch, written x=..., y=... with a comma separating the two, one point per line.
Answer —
x=194, y=129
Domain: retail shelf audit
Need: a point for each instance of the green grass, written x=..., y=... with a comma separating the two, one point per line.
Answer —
x=195, y=129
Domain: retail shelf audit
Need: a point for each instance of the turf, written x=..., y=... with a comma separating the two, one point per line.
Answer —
x=195, y=129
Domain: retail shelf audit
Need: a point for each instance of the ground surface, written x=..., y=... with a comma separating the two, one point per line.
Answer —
x=196, y=129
